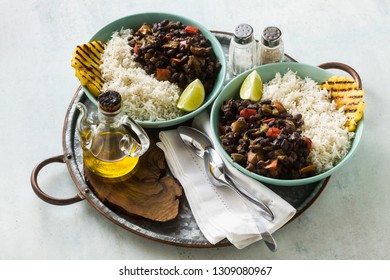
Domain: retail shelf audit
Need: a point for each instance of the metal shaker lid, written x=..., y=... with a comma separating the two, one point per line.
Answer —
x=271, y=36
x=243, y=34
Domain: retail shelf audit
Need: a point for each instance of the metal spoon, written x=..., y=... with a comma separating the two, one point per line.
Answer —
x=195, y=139
x=201, y=144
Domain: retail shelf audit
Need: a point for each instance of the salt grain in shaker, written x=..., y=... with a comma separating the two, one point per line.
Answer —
x=242, y=50
x=271, y=46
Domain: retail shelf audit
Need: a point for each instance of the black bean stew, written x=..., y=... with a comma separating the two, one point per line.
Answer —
x=265, y=139
x=175, y=52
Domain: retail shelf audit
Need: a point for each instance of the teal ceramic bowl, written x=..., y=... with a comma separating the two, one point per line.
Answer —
x=267, y=73
x=135, y=21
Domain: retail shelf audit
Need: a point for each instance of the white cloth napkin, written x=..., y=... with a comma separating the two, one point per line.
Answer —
x=220, y=212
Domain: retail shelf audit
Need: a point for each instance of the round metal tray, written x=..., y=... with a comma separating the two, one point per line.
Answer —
x=183, y=230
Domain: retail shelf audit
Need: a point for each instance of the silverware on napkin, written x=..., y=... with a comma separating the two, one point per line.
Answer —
x=216, y=171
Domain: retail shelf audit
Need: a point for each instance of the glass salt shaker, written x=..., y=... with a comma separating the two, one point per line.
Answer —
x=242, y=49
x=271, y=45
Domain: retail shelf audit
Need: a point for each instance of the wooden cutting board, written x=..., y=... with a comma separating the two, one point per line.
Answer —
x=148, y=192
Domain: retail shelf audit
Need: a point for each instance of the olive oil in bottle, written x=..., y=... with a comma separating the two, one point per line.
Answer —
x=106, y=158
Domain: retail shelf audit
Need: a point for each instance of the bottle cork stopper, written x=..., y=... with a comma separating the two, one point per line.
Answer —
x=110, y=101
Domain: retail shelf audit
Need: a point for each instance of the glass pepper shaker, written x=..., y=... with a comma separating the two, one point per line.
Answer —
x=271, y=45
x=242, y=49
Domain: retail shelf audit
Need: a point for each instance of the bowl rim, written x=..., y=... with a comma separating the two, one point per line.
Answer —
x=235, y=83
x=218, y=50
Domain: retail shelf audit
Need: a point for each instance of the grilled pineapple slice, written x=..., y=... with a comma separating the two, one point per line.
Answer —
x=347, y=95
x=86, y=61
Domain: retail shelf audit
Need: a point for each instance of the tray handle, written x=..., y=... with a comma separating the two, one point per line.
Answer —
x=344, y=67
x=41, y=194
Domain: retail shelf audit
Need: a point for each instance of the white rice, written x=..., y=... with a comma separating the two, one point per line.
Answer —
x=323, y=123
x=144, y=97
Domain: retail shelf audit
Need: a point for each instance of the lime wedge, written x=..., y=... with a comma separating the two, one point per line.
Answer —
x=252, y=87
x=192, y=96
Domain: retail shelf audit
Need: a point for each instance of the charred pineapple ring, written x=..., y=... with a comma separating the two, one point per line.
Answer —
x=348, y=96
x=86, y=61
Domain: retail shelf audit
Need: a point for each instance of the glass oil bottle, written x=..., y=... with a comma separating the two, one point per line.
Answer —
x=109, y=148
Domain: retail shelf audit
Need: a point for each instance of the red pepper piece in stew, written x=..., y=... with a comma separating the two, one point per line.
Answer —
x=246, y=113
x=163, y=74
x=272, y=167
x=273, y=132
x=191, y=29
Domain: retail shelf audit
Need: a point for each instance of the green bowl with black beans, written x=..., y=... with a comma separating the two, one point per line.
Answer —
x=269, y=143
x=197, y=57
